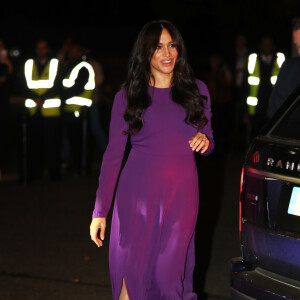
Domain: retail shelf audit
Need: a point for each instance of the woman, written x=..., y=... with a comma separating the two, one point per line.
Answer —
x=161, y=108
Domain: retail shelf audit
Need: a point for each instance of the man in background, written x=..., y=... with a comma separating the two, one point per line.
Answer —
x=43, y=114
x=263, y=70
x=76, y=95
x=289, y=75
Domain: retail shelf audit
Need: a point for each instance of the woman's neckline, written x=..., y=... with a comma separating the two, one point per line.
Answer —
x=159, y=88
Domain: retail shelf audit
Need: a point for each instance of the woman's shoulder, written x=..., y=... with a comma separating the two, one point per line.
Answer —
x=203, y=90
x=121, y=93
x=120, y=99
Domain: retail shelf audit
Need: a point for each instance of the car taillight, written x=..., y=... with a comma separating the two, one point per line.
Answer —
x=240, y=200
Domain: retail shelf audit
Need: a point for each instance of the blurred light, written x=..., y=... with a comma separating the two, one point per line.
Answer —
x=252, y=62
x=253, y=80
x=49, y=103
x=77, y=114
x=280, y=59
x=273, y=79
x=30, y=103
x=252, y=101
x=14, y=53
x=79, y=101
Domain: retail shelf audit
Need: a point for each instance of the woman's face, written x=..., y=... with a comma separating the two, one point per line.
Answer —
x=165, y=55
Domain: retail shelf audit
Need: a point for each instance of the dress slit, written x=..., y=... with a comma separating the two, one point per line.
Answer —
x=120, y=289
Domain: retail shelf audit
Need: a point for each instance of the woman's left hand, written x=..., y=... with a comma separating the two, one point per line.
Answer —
x=199, y=142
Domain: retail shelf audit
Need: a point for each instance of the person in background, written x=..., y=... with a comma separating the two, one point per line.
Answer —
x=43, y=109
x=289, y=75
x=263, y=68
x=62, y=54
x=240, y=90
x=6, y=68
x=98, y=103
x=219, y=82
x=78, y=85
x=295, y=47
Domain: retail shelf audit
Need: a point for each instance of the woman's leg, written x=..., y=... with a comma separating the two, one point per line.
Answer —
x=123, y=293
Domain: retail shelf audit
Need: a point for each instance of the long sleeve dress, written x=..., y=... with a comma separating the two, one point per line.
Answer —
x=156, y=201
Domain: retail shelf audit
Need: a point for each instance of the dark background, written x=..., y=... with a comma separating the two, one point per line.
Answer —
x=109, y=28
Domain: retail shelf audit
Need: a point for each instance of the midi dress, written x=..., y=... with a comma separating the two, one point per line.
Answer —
x=155, y=208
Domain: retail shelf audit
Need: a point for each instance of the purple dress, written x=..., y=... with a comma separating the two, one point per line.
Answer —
x=156, y=201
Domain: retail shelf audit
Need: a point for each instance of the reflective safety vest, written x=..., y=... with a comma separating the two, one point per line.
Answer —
x=254, y=78
x=74, y=104
x=40, y=84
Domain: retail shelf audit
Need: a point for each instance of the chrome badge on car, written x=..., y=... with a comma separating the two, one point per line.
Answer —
x=287, y=165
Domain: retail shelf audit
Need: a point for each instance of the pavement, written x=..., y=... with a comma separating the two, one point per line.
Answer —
x=46, y=251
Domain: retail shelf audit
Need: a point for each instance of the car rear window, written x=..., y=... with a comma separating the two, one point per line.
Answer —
x=288, y=127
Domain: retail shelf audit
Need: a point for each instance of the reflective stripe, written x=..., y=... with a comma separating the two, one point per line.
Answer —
x=252, y=62
x=79, y=101
x=74, y=74
x=253, y=80
x=252, y=101
x=43, y=83
x=280, y=59
x=29, y=103
x=273, y=79
x=49, y=103
x=52, y=103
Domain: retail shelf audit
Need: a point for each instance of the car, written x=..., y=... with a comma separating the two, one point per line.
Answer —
x=269, y=211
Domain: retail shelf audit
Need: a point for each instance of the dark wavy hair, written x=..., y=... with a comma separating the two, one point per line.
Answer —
x=184, y=88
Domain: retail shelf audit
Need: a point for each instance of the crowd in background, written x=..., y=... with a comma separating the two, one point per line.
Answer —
x=226, y=77
x=243, y=87
x=51, y=139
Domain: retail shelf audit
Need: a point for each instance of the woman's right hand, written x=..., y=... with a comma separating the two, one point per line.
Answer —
x=98, y=223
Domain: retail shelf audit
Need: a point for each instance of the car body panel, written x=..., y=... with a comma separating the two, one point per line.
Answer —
x=261, y=284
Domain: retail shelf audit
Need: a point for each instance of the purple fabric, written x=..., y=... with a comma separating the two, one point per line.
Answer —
x=156, y=201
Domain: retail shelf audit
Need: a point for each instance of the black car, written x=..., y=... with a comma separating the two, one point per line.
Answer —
x=269, y=204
